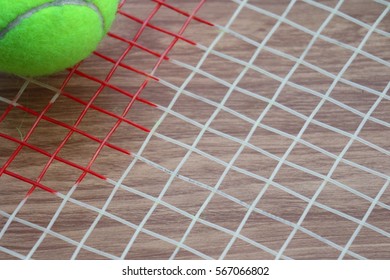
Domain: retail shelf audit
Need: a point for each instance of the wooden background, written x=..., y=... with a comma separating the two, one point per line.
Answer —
x=198, y=179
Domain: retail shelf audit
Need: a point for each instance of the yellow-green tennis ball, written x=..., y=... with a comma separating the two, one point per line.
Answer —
x=40, y=37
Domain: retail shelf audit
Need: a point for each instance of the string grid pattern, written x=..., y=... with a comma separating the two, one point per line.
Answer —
x=152, y=92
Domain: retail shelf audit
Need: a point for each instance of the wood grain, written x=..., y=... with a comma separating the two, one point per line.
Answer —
x=200, y=176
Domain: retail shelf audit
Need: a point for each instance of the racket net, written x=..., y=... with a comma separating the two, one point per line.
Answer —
x=206, y=130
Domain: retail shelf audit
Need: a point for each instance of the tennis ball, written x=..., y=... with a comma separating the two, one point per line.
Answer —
x=41, y=37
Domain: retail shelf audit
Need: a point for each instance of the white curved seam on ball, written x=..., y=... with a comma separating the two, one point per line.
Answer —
x=57, y=3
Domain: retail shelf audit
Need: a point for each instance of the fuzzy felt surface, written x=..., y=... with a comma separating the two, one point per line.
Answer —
x=42, y=37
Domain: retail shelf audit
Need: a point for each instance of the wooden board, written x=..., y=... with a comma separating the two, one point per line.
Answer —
x=253, y=141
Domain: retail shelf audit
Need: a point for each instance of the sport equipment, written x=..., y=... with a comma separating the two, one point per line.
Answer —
x=42, y=37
